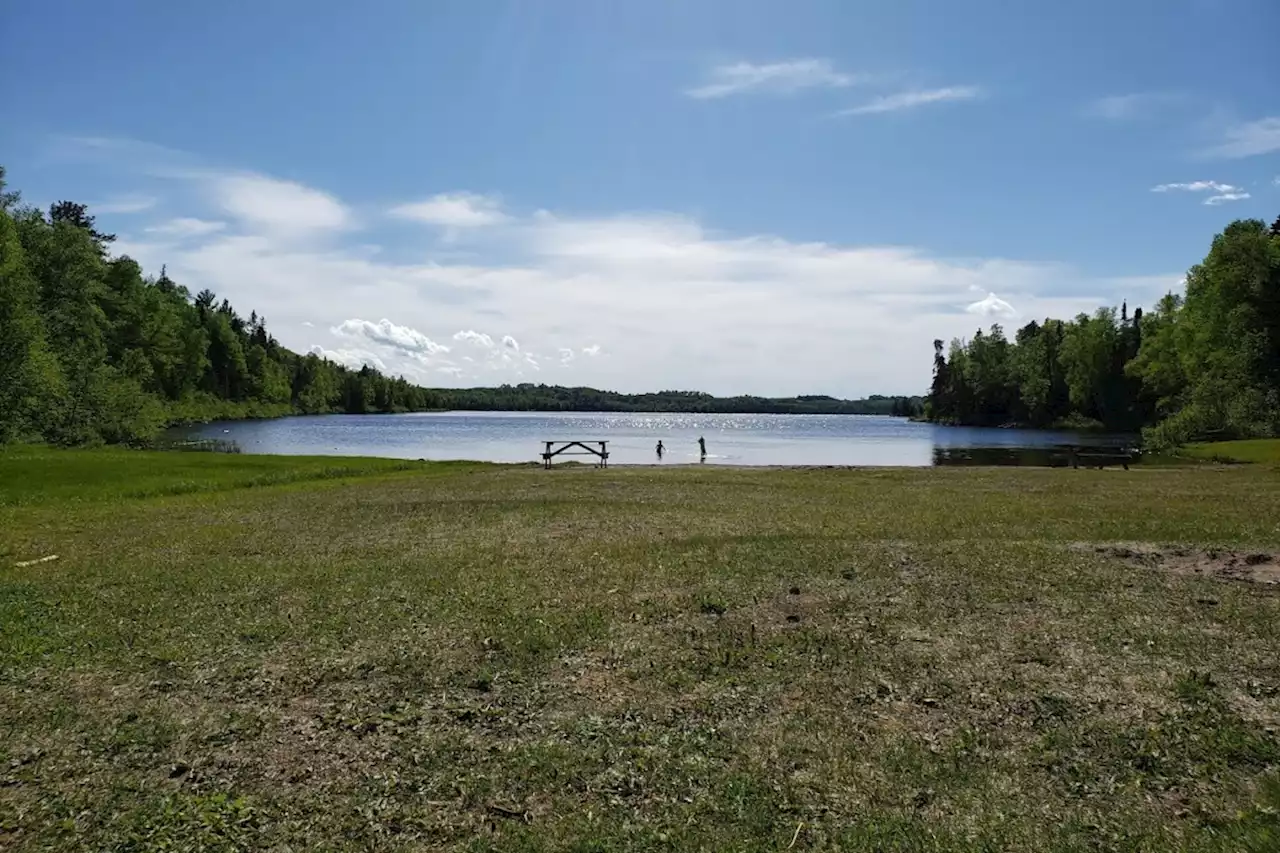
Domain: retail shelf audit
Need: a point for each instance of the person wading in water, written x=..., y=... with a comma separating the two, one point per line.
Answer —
x=702, y=448
x=660, y=451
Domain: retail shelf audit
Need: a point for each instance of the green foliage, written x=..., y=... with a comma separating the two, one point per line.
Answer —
x=1206, y=364
x=93, y=352
x=27, y=373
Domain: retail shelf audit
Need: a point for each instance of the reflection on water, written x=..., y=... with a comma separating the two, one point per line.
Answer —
x=1042, y=457
x=633, y=438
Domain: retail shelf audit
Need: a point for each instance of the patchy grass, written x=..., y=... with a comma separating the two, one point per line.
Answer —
x=485, y=658
x=1265, y=450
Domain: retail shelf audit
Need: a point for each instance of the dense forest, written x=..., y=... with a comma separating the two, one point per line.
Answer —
x=1205, y=363
x=92, y=350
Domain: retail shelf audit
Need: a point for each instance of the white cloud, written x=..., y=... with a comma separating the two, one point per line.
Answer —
x=125, y=204
x=474, y=337
x=1249, y=139
x=280, y=207
x=185, y=226
x=1226, y=197
x=1136, y=105
x=786, y=77
x=354, y=359
x=510, y=343
x=1223, y=192
x=308, y=324
x=992, y=306
x=389, y=334
x=672, y=301
x=914, y=98
x=1196, y=186
x=454, y=210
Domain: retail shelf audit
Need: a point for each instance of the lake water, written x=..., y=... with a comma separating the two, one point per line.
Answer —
x=731, y=439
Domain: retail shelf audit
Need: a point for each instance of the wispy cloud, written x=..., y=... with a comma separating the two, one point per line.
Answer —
x=1248, y=139
x=1195, y=187
x=1136, y=105
x=914, y=98
x=783, y=78
x=454, y=210
x=185, y=226
x=282, y=207
x=1223, y=193
x=125, y=204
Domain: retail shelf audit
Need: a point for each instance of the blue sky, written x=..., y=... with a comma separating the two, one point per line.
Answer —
x=731, y=196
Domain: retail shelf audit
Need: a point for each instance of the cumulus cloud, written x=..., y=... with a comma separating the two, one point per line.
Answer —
x=453, y=210
x=473, y=337
x=510, y=343
x=788, y=77
x=912, y=99
x=186, y=226
x=673, y=301
x=1248, y=139
x=389, y=334
x=992, y=306
x=354, y=359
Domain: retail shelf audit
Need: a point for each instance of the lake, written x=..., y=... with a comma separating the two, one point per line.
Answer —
x=731, y=439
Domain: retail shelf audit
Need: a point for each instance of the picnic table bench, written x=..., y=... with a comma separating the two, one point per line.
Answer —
x=1100, y=457
x=576, y=448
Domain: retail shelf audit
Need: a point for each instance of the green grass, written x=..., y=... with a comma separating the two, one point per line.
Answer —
x=1249, y=450
x=40, y=474
x=488, y=658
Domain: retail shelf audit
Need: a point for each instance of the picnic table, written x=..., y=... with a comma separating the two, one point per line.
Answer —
x=598, y=449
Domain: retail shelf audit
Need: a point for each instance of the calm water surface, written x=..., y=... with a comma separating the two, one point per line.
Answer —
x=731, y=439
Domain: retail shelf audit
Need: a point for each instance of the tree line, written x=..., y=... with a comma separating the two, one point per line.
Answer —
x=93, y=351
x=1204, y=363
x=528, y=397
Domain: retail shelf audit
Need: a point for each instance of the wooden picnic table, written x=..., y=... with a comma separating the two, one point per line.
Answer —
x=600, y=450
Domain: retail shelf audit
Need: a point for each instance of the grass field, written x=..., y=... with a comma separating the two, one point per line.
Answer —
x=236, y=653
x=1248, y=450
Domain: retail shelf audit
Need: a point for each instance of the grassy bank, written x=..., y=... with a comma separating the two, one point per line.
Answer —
x=477, y=657
x=1264, y=450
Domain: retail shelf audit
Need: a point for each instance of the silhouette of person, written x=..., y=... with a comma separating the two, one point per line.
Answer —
x=660, y=450
x=702, y=448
